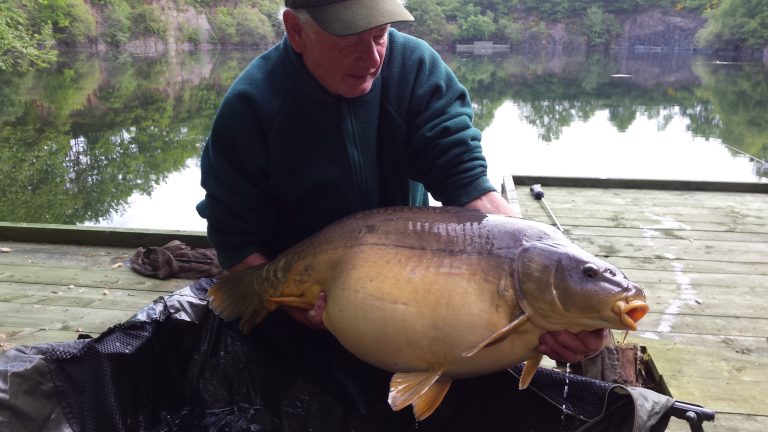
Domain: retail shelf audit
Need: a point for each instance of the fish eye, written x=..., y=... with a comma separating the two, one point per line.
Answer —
x=590, y=270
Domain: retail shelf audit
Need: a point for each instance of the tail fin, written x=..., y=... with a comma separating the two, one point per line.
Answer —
x=240, y=295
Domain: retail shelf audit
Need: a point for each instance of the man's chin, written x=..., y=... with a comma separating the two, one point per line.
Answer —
x=357, y=90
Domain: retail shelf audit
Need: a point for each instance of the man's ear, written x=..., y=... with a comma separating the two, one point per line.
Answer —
x=295, y=30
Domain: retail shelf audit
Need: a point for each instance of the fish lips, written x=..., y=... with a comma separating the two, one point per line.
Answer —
x=630, y=311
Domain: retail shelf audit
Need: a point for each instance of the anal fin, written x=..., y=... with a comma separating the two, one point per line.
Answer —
x=529, y=370
x=424, y=390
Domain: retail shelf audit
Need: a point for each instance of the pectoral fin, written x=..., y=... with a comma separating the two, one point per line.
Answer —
x=529, y=370
x=236, y=295
x=423, y=390
x=499, y=335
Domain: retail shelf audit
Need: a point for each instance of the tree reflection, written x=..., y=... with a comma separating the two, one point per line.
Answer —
x=552, y=92
x=77, y=140
x=80, y=139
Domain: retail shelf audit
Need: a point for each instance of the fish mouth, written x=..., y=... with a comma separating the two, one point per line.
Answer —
x=630, y=312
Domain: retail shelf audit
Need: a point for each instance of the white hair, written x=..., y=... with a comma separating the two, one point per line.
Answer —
x=302, y=14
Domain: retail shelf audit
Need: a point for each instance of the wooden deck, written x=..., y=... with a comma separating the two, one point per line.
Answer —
x=701, y=256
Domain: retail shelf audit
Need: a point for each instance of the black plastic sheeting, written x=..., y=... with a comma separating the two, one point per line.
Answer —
x=175, y=366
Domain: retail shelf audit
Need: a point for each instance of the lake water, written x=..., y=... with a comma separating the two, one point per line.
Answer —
x=115, y=141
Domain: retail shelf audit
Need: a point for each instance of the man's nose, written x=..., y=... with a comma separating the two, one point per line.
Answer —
x=367, y=52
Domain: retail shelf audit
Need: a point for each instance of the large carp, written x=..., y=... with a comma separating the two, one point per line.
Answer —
x=435, y=293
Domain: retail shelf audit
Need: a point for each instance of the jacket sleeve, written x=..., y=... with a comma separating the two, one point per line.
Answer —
x=444, y=151
x=234, y=174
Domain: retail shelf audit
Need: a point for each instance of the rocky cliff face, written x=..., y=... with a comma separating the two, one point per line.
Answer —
x=650, y=30
x=656, y=29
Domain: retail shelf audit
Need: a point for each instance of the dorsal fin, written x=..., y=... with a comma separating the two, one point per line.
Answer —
x=498, y=335
x=423, y=390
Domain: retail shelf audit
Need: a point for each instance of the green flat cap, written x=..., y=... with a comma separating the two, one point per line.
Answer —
x=346, y=17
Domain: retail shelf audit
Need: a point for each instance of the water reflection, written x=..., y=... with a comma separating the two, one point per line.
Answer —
x=84, y=142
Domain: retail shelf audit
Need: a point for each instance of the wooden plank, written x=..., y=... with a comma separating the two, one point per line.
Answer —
x=120, y=278
x=699, y=280
x=575, y=232
x=689, y=266
x=69, y=318
x=626, y=200
x=671, y=249
x=702, y=221
x=706, y=301
x=678, y=185
x=92, y=297
x=621, y=222
x=651, y=212
x=87, y=235
x=57, y=255
x=11, y=337
x=709, y=376
x=709, y=325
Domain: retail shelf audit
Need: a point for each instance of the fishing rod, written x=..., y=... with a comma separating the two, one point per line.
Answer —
x=538, y=195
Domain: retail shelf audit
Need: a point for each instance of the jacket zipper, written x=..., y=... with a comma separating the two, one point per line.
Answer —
x=355, y=158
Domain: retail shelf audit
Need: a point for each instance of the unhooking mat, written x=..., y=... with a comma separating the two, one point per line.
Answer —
x=175, y=366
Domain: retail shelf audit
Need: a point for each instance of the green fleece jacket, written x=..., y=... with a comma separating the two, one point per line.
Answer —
x=285, y=158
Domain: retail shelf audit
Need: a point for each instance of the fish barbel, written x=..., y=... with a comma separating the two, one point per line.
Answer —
x=436, y=293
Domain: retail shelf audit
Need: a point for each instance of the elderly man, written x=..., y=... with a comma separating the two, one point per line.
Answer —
x=344, y=114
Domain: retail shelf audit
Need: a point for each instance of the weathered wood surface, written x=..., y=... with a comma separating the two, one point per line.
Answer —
x=702, y=258
x=52, y=293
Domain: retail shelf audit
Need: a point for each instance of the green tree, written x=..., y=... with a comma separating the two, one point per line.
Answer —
x=117, y=23
x=72, y=21
x=243, y=26
x=430, y=22
x=21, y=45
x=253, y=28
x=476, y=27
x=598, y=25
x=737, y=24
x=147, y=20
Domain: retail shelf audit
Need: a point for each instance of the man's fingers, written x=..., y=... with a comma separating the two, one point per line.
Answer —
x=594, y=340
x=561, y=346
x=570, y=347
x=316, y=314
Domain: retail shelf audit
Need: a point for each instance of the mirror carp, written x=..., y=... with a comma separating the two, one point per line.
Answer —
x=437, y=293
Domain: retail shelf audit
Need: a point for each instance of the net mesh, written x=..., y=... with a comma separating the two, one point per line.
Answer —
x=168, y=374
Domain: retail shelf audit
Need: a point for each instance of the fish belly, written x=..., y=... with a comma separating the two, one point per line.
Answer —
x=404, y=309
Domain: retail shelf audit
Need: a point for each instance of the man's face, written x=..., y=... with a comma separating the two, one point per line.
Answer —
x=344, y=65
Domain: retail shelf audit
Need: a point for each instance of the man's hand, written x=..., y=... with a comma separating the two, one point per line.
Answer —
x=572, y=347
x=312, y=318
x=493, y=203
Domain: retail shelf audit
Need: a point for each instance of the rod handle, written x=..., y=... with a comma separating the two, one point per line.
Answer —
x=537, y=191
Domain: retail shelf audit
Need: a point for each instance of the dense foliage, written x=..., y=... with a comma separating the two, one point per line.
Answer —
x=737, y=24
x=28, y=27
x=20, y=46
